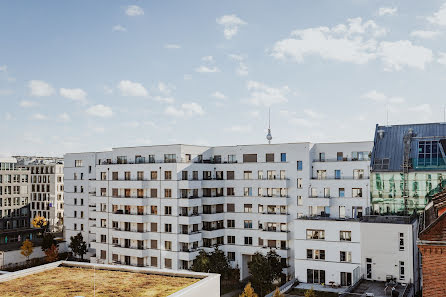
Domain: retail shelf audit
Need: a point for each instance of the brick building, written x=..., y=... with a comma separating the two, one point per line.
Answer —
x=432, y=245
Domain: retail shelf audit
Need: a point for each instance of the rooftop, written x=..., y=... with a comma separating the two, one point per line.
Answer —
x=80, y=279
x=389, y=143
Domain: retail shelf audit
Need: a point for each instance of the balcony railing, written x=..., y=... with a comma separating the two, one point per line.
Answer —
x=343, y=159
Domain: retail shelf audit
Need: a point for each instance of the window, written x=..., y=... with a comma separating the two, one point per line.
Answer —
x=153, y=261
x=232, y=159
x=230, y=192
x=283, y=157
x=358, y=173
x=341, y=192
x=153, y=175
x=103, y=175
x=345, y=256
x=168, y=175
x=168, y=210
x=345, y=235
x=299, y=201
x=167, y=193
x=114, y=175
x=247, y=175
x=337, y=174
x=140, y=175
x=153, y=193
x=248, y=208
x=248, y=240
x=248, y=224
x=194, y=175
x=170, y=158
x=231, y=256
x=78, y=163
x=299, y=183
x=103, y=254
x=103, y=238
x=168, y=263
x=401, y=241
x=381, y=164
x=315, y=276
x=153, y=244
x=342, y=212
x=121, y=160
x=402, y=272
x=168, y=228
x=315, y=234
x=231, y=223
x=316, y=254
x=247, y=191
x=299, y=165
x=269, y=157
x=153, y=227
x=154, y=209
x=207, y=175
x=429, y=153
x=127, y=175
x=217, y=159
x=229, y=175
x=183, y=175
x=346, y=279
x=231, y=239
x=357, y=192
x=249, y=158
x=230, y=207
x=339, y=156
x=321, y=157
x=168, y=245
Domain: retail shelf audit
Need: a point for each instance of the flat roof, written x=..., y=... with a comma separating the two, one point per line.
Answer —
x=65, y=278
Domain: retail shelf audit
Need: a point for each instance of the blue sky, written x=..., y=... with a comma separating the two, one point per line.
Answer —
x=92, y=75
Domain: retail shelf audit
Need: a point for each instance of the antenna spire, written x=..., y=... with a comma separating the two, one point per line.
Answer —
x=269, y=136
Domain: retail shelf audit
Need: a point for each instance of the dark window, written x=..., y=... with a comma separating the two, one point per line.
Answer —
x=249, y=158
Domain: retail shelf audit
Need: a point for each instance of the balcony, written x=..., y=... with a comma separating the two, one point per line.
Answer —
x=343, y=159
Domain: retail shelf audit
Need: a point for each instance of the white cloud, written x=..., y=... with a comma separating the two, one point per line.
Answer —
x=108, y=90
x=98, y=129
x=242, y=69
x=207, y=69
x=442, y=58
x=425, y=34
x=382, y=98
x=187, y=77
x=301, y=122
x=208, y=59
x=3, y=68
x=100, y=110
x=129, y=88
x=165, y=88
x=239, y=129
x=27, y=104
x=231, y=24
x=39, y=117
x=39, y=88
x=254, y=114
x=134, y=10
x=74, y=94
x=163, y=99
x=6, y=92
x=172, y=46
x=261, y=94
x=8, y=116
x=64, y=117
x=313, y=114
x=345, y=43
x=186, y=110
x=387, y=11
x=119, y=28
x=218, y=95
x=439, y=17
x=398, y=54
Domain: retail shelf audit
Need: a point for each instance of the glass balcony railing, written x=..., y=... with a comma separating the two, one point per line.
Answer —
x=429, y=164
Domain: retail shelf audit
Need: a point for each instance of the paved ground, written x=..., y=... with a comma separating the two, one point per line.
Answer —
x=377, y=288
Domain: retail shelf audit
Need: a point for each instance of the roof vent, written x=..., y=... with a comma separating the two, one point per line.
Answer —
x=381, y=134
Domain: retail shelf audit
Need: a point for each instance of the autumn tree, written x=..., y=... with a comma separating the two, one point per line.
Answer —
x=52, y=253
x=277, y=293
x=39, y=222
x=27, y=249
x=78, y=246
x=248, y=291
x=310, y=293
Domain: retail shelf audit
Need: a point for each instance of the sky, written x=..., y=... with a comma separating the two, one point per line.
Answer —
x=92, y=75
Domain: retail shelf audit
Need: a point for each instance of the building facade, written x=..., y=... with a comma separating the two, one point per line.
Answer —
x=156, y=206
x=14, y=203
x=408, y=166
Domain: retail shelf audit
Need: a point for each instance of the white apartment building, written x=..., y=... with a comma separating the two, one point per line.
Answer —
x=343, y=251
x=157, y=205
x=47, y=188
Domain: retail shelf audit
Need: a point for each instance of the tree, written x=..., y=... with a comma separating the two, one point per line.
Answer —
x=310, y=293
x=39, y=222
x=219, y=263
x=27, y=249
x=248, y=291
x=48, y=241
x=277, y=293
x=201, y=262
x=265, y=270
x=78, y=245
x=52, y=254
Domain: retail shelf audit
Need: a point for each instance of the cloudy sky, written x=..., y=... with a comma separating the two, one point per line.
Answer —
x=92, y=75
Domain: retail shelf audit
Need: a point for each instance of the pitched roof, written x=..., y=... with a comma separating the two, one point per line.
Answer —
x=390, y=146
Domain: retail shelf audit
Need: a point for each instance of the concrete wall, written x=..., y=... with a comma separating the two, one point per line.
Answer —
x=12, y=257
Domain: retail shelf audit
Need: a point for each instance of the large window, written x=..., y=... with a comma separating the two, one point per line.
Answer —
x=78, y=163
x=316, y=254
x=315, y=234
x=315, y=276
x=429, y=153
x=346, y=278
x=345, y=235
x=170, y=158
x=249, y=158
x=381, y=164
x=345, y=256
